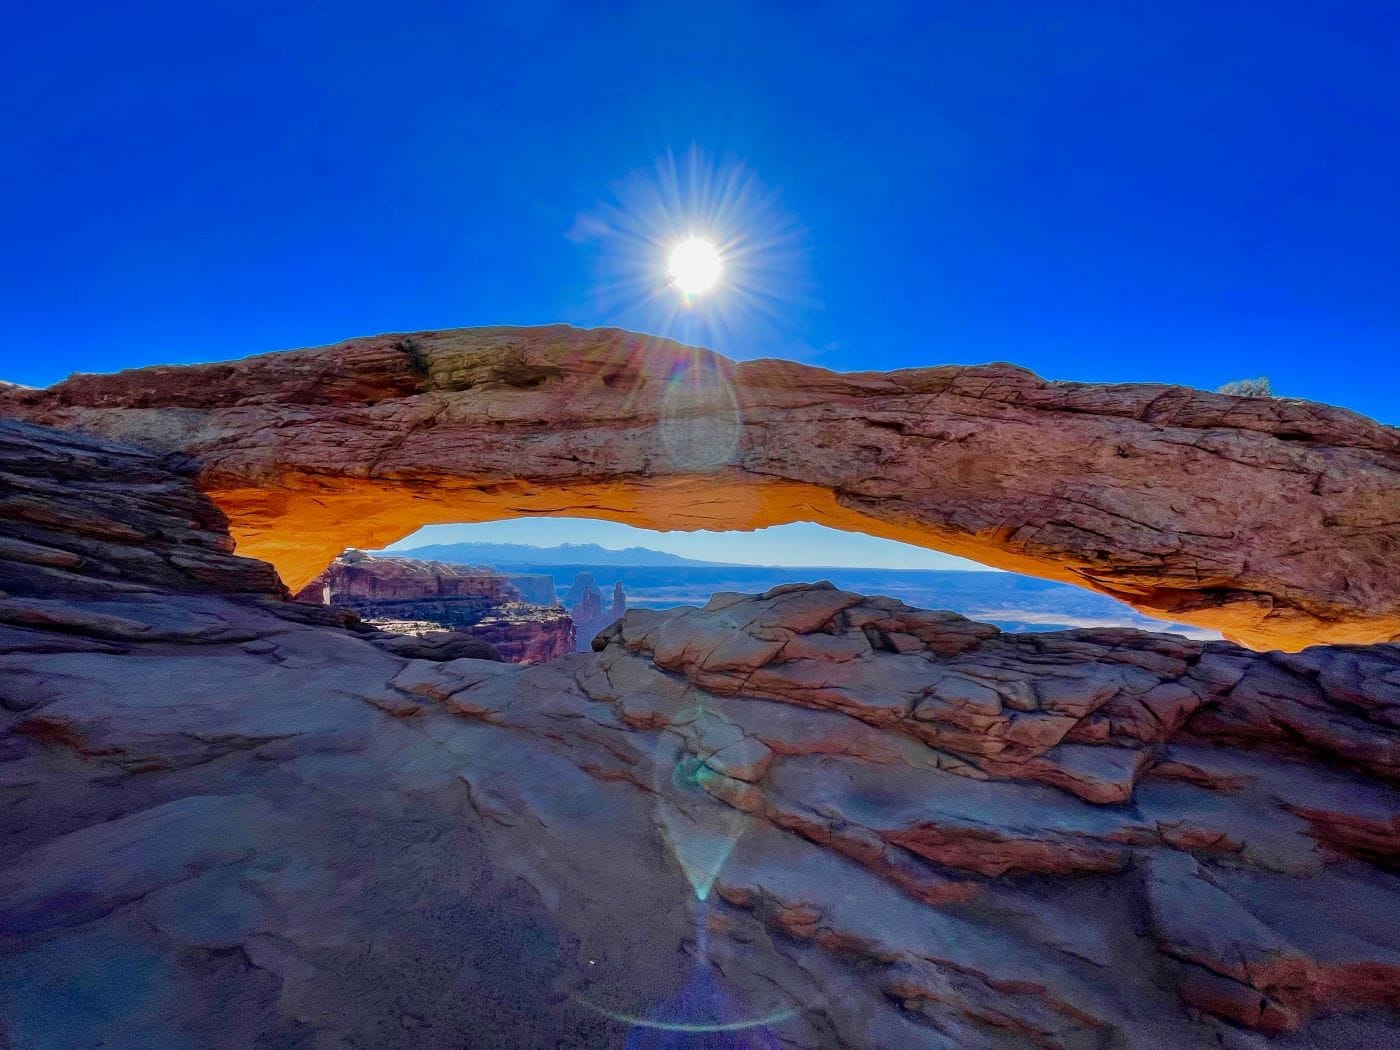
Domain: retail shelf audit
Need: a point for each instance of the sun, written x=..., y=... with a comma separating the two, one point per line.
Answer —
x=694, y=266
x=697, y=250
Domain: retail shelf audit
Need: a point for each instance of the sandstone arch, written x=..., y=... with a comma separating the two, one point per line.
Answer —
x=1277, y=522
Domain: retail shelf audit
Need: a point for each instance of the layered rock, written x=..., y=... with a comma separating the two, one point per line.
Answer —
x=590, y=615
x=1274, y=521
x=234, y=819
x=1022, y=797
x=83, y=518
x=420, y=598
x=535, y=588
x=357, y=576
x=109, y=540
x=527, y=634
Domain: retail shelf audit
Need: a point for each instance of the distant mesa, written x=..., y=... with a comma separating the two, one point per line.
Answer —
x=419, y=598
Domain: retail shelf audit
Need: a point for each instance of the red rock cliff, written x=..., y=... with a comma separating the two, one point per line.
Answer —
x=409, y=596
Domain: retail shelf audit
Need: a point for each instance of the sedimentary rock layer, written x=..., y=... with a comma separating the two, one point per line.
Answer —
x=1277, y=522
x=109, y=540
x=233, y=819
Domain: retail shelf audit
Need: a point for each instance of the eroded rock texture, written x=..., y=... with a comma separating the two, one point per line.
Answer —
x=235, y=820
x=1276, y=522
x=110, y=540
x=417, y=598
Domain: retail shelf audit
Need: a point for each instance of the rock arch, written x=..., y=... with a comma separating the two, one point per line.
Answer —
x=1277, y=522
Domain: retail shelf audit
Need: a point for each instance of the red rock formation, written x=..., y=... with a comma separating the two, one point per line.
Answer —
x=357, y=576
x=1274, y=521
x=414, y=597
x=585, y=603
x=527, y=634
x=75, y=513
x=874, y=825
x=893, y=736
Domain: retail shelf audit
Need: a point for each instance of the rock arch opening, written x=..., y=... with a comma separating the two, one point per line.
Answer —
x=597, y=571
x=1275, y=522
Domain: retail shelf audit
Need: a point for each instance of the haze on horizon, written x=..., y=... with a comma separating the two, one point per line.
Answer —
x=798, y=545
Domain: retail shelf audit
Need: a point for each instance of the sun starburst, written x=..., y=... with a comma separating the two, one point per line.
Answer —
x=699, y=251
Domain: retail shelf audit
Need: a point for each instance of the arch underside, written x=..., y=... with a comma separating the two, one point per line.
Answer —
x=1275, y=522
x=306, y=521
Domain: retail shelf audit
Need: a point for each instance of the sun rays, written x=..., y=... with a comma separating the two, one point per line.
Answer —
x=699, y=251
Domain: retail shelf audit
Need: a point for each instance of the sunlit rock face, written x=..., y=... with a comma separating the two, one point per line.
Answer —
x=233, y=819
x=413, y=597
x=360, y=576
x=1273, y=521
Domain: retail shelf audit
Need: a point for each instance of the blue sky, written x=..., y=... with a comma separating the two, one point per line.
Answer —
x=1179, y=192
x=798, y=544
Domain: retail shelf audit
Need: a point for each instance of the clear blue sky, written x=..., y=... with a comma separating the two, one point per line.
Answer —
x=800, y=543
x=1185, y=192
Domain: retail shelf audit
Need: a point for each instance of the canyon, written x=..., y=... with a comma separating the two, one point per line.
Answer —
x=1276, y=522
x=421, y=598
x=807, y=817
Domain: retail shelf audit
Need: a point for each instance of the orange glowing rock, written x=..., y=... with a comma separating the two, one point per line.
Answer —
x=1276, y=522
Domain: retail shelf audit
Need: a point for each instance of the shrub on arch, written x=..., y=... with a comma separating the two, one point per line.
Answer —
x=1259, y=387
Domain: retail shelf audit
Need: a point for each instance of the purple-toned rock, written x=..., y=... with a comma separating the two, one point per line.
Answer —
x=233, y=819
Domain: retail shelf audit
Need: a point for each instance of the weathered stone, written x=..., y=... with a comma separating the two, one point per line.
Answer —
x=234, y=819
x=436, y=645
x=1167, y=498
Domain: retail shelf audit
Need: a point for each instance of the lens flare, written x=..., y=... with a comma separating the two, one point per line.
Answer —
x=701, y=830
x=709, y=1011
x=701, y=422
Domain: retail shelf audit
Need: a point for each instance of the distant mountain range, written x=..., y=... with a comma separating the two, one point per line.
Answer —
x=514, y=554
x=656, y=580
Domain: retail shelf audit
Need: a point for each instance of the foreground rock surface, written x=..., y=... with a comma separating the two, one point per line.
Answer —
x=1276, y=522
x=418, y=598
x=235, y=820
